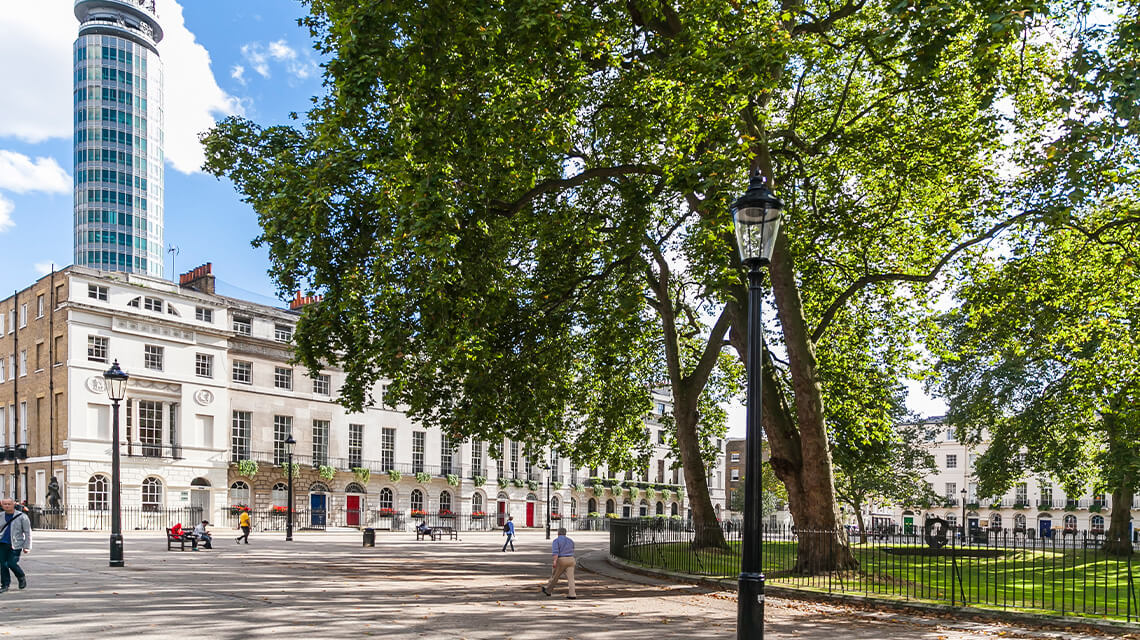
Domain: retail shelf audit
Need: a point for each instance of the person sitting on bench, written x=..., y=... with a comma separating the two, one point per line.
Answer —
x=423, y=528
x=203, y=535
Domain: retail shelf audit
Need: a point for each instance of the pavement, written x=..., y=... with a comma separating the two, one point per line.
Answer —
x=328, y=586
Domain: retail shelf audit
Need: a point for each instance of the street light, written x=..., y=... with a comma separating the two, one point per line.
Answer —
x=549, y=466
x=756, y=215
x=116, y=380
x=289, y=444
x=965, y=529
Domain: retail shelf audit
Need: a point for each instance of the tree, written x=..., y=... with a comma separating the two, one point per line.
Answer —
x=1041, y=362
x=519, y=212
x=773, y=494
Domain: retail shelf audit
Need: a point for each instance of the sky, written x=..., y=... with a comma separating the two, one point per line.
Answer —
x=246, y=58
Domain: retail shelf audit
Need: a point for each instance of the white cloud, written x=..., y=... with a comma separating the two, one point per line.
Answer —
x=6, y=207
x=21, y=174
x=238, y=73
x=44, y=268
x=256, y=58
x=280, y=50
x=44, y=32
x=299, y=65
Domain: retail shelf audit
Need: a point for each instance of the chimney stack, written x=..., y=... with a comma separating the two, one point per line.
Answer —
x=199, y=279
x=299, y=300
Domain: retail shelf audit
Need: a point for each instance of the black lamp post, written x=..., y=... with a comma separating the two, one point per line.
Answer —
x=549, y=475
x=965, y=529
x=289, y=444
x=756, y=215
x=116, y=380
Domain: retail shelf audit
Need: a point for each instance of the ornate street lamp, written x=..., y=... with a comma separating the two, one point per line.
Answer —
x=290, y=443
x=116, y=380
x=549, y=467
x=757, y=215
x=965, y=529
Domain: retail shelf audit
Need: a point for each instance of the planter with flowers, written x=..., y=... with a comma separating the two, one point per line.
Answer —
x=556, y=516
x=236, y=509
x=478, y=515
x=446, y=513
x=386, y=512
x=279, y=509
x=418, y=513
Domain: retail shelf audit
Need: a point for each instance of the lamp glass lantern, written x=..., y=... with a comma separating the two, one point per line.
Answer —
x=116, y=380
x=290, y=443
x=757, y=216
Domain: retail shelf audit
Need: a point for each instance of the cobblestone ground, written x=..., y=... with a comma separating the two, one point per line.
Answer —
x=328, y=586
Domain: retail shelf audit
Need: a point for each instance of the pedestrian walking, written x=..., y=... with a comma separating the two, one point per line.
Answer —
x=15, y=540
x=243, y=522
x=509, y=531
x=563, y=562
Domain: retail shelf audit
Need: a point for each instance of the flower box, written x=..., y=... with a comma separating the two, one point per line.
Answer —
x=418, y=513
x=478, y=515
x=279, y=509
x=555, y=516
x=237, y=509
x=445, y=513
x=386, y=513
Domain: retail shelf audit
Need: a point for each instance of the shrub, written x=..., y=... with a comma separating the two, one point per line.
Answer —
x=517, y=482
x=480, y=480
x=362, y=474
x=532, y=485
x=326, y=472
x=247, y=468
x=452, y=480
x=503, y=483
x=423, y=477
x=394, y=475
x=556, y=485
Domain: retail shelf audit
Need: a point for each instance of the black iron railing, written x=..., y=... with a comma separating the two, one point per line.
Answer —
x=1073, y=574
x=83, y=518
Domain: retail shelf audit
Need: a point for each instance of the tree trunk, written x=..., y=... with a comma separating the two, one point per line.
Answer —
x=1116, y=541
x=706, y=529
x=862, y=527
x=1120, y=450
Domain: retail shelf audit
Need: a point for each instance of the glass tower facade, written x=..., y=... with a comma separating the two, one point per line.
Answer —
x=118, y=137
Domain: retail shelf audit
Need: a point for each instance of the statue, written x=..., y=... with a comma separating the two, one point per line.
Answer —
x=936, y=530
x=53, y=493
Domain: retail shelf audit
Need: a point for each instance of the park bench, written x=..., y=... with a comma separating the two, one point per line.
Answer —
x=1094, y=542
x=437, y=533
x=181, y=541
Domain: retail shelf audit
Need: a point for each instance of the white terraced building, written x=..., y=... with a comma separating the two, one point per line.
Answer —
x=211, y=386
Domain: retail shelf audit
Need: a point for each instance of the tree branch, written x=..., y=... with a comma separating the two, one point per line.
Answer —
x=549, y=186
x=868, y=280
x=825, y=24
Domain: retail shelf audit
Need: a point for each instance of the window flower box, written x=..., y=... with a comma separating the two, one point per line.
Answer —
x=478, y=515
x=445, y=513
x=237, y=509
x=418, y=513
x=278, y=509
x=386, y=512
x=555, y=516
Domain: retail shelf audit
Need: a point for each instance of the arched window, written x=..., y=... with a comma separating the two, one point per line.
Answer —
x=592, y=506
x=660, y=508
x=385, y=498
x=554, y=504
x=1071, y=522
x=1097, y=524
x=951, y=520
x=643, y=508
x=318, y=487
x=199, y=482
x=1019, y=521
x=444, y=501
x=610, y=505
x=354, y=487
x=97, y=493
x=239, y=494
x=530, y=497
x=573, y=507
x=673, y=509
x=476, y=502
x=151, y=494
x=417, y=500
x=279, y=496
x=995, y=521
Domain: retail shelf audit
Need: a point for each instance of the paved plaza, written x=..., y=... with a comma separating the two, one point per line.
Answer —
x=327, y=586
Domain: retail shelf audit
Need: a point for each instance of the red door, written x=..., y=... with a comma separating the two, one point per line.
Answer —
x=530, y=514
x=352, y=511
x=502, y=512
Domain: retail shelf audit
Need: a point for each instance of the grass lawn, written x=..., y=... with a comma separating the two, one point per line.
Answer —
x=1072, y=581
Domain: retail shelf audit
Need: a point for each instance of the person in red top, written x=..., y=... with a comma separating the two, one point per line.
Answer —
x=176, y=530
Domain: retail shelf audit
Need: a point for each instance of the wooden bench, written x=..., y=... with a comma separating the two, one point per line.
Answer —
x=181, y=541
x=437, y=533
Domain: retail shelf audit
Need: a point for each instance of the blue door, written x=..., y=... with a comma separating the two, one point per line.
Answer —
x=317, y=503
x=1046, y=527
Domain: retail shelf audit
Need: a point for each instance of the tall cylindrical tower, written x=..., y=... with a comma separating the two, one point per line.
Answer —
x=118, y=137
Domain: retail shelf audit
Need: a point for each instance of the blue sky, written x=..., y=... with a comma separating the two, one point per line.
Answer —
x=220, y=58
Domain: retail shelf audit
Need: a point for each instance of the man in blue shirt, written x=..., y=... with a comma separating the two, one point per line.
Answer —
x=15, y=540
x=563, y=562
x=509, y=531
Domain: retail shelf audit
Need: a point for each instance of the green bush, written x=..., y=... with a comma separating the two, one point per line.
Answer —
x=326, y=472
x=452, y=480
x=423, y=477
x=362, y=474
x=394, y=475
x=503, y=483
x=247, y=468
x=479, y=480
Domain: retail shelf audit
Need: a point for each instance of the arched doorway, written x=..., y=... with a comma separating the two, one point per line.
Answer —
x=908, y=523
x=531, y=502
x=610, y=505
x=353, y=504
x=200, y=497
x=1045, y=525
x=318, y=504
x=592, y=507
x=626, y=509
x=504, y=500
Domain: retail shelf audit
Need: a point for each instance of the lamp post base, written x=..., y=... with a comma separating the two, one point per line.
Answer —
x=750, y=607
x=117, y=550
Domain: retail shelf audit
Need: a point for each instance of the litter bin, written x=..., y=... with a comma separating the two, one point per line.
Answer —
x=369, y=537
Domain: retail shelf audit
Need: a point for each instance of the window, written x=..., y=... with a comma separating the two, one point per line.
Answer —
x=244, y=326
x=951, y=490
x=283, y=378
x=243, y=372
x=239, y=494
x=514, y=459
x=282, y=427
x=97, y=493
x=952, y=520
x=951, y=461
x=202, y=314
x=476, y=502
x=995, y=521
x=320, y=442
x=322, y=384
x=1, y=331
x=735, y=475
x=1046, y=495
x=40, y=306
x=152, y=357
x=204, y=365
x=417, y=500
x=661, y=436
x=24, y=362
x=135, y=302
x=1097, y=523
x=444, y=501
x=949, y=435
x=388, y=448
x=152, y=304
x=355, y=445
x=279, y=496
x=1022, y=493
x=385, y=498
x=445, y=454
x=476, y=458
x=418, y=439
x=97, y=348
x=240, y=435
x=151, y=494
x=660, y=408
x=23, y=315
x=573, y=507
x=95, y=292
x=282, y=332
x=734, y=457
x=150, y=427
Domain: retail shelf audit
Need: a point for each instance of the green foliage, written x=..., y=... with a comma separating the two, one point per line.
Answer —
x=394, y=475
x=247, y=468
x=556, y=485
x=532, y=485
x=362, y=474
x=326, y=472
x=291, y=471
x=634, y=492
x=578, y=486
x=503, y=484
x=452, y=480
x=423, y=477
x=479, y=480
x=598, y=490
x=517, y=483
